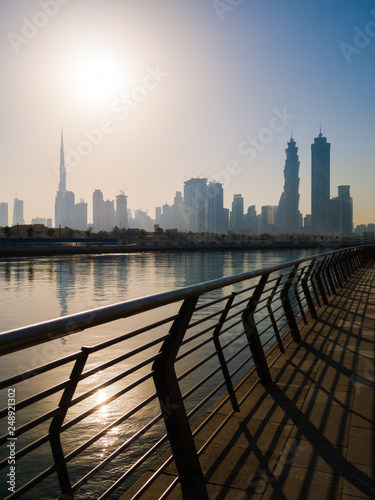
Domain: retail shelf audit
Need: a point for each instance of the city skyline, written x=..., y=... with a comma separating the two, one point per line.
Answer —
x=202, y=205
x=151, y=95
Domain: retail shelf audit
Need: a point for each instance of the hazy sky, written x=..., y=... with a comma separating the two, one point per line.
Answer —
x=179, y=89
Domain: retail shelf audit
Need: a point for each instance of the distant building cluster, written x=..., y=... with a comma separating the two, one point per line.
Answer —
x=200, y=208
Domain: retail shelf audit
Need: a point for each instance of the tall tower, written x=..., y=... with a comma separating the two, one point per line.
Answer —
x=320, y=184
x=288, y=213
x=67, y=212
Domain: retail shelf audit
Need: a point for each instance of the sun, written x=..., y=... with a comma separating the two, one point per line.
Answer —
x=98, y=78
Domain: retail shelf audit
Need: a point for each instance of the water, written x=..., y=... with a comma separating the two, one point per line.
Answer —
x=37, y=289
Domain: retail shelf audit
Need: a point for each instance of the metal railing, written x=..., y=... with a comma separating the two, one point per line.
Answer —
x=90, y=423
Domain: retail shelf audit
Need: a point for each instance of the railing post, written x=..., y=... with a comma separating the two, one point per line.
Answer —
x=272, y=316
x=328, y=268
x=284, y=295
x=343, y=267
x=306, y=290
x=57, y=421
x=313, y=279
x=298, y=298
x=252, y=334
x=320, y=283
x=336, y=270
x=220, y=353
x=171, y=402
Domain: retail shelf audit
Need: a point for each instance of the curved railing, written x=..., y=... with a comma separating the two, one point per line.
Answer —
x=91, y=422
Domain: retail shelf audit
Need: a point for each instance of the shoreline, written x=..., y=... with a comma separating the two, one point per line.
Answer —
x=7, y=251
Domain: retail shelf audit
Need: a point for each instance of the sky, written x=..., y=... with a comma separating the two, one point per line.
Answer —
x=153, y=92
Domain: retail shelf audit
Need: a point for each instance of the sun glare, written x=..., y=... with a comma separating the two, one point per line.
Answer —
x=98, y=78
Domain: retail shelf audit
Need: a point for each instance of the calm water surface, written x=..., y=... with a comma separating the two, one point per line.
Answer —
x=38, y=289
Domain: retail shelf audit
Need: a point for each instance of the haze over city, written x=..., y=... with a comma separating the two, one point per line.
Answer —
x=151, y=94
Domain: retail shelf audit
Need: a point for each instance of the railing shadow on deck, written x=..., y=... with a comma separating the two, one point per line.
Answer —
x=91, y=423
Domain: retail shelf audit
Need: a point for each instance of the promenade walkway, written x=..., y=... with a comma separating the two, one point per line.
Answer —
x=310, y=434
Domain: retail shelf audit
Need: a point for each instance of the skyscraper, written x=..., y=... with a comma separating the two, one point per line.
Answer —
x=237, y=215
x=320, y=184
x=195, y=205
x=18, y=212
x=103, y=212
x=288, y=213
x=215, y=208
x=122, y=211
x=67, y=213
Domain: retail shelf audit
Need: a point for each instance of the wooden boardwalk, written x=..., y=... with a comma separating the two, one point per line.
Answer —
x=310, y=434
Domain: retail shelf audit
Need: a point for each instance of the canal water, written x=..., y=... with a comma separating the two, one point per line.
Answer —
x=37, y=289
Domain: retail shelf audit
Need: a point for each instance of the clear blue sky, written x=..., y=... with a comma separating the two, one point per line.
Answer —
x=180, y=88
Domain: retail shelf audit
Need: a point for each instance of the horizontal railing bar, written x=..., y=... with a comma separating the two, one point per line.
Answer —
x=197, y=335
x=155, y=475
x=195, y=348
x=33, y=482
x=14, y=340
x=34, y=399
x=27, y=449
x=197, y=365
x=265, y=329
x=126, y=336
x=236, y=323
x=134, y=467
x=115, y=379
x=123, y=357
x=30, y=425
x=203, y=320
x=39, y=370
x=119, y=450
x=211, y=303
x=106, y=429
x=233, y=339
x=240, y=366
x=93, y=409
x=206, y=399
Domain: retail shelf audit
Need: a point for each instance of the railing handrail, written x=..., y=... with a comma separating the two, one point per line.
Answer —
x=38, y=333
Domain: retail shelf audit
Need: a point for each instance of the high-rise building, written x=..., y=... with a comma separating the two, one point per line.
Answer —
x=122, y=211
x=18, y=212
x=251, y=220
x=320, y=184
x=178, y=209
x=216, y=222
x=288, y=214
x=195, y=205
x=341, y=212
x=267, y=219
x=237, y=215
x=67, y=213
x=103, y=212
x=97, y=208
x=4, y=214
